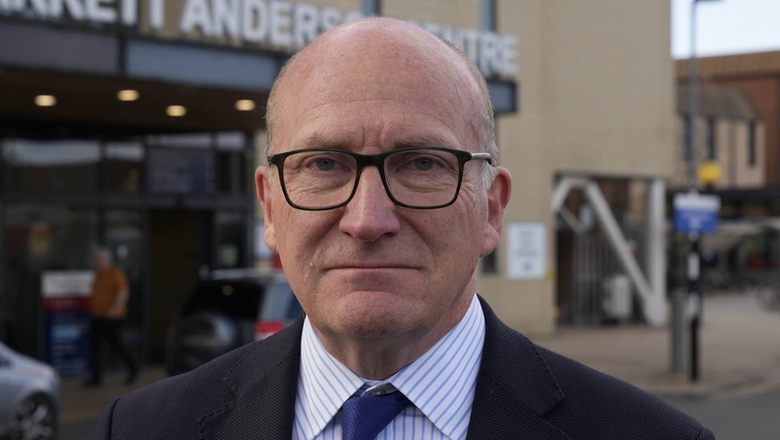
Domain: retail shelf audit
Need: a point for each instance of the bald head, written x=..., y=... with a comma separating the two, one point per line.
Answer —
x=391, y=52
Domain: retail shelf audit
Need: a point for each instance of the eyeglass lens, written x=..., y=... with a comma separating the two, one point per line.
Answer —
x=421, y=178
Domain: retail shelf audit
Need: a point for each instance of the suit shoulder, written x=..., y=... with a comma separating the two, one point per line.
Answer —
x=607, y=407
x=170, y=408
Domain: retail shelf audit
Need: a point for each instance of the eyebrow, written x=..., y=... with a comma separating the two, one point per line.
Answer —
x=321, y=139
x=423, y=141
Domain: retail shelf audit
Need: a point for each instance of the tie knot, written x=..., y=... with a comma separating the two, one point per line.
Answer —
x=362, y=418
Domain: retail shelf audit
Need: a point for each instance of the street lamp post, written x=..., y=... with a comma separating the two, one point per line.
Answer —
x=694, y=256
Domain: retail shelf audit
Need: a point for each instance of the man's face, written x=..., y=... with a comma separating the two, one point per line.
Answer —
x=101, y=261
x=372, y=269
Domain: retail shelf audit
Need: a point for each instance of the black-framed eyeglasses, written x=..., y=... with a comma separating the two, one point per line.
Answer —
x=317, y=179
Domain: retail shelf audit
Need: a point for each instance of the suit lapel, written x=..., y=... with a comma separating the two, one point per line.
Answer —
x=265, y=383
x=514, y=388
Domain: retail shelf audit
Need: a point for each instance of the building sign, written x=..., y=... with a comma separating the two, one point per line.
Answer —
x=695, y=212
x=66, y=302
x=181, y=171
x=526, y=251
x=274, y=24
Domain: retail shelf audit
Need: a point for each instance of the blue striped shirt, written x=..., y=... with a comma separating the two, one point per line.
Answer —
x=440, y=384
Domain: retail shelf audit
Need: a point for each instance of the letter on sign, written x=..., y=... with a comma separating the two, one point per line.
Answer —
x=255, y=21
x=196, y=14
x=97, y=11
x=281, y=22
x=305, y=29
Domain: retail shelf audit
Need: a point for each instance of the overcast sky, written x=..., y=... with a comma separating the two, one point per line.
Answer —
x=726, y=27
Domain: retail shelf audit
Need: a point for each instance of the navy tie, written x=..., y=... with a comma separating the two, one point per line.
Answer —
x=362, y=418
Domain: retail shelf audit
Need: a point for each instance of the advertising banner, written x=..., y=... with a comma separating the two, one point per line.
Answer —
x=66, y=302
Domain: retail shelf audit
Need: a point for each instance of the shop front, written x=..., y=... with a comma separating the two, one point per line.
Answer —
x=168, y=206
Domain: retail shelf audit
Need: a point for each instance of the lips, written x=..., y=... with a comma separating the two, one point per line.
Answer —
x=369, y=266
x=381, y=266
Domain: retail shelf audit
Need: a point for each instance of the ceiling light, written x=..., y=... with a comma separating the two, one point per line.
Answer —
x=127, y=95
x=176, y=111
x=245, y=105
x=45, y=100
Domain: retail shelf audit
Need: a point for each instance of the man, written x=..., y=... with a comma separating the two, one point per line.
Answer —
x=381, y=195
x=110, y=292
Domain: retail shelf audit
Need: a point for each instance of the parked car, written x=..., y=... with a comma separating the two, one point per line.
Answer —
x=30, y=402
x=230, y=309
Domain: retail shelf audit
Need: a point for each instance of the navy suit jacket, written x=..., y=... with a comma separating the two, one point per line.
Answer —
x=523, y=392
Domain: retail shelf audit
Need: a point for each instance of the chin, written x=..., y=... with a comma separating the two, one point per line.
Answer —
x=368, y=316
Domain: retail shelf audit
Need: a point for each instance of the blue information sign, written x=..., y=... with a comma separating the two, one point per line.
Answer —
x=695, y=212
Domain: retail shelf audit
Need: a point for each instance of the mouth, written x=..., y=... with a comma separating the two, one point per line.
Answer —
x=367, y=267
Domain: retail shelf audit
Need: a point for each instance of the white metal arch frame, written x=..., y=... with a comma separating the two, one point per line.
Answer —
x=651, y=293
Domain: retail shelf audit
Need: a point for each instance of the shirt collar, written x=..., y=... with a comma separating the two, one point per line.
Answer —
x=451, y=364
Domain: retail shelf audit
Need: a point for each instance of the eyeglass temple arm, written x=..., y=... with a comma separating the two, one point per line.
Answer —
x=485, y=156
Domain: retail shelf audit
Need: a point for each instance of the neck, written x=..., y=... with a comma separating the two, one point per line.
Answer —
x=378, y=359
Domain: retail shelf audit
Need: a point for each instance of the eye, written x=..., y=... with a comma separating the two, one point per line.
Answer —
x=324, y=164
x=423, y=164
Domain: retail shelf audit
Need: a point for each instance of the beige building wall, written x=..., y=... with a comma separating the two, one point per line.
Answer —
x=590, y=105
x=608, y=89
x=525, y=305
x=456, y=13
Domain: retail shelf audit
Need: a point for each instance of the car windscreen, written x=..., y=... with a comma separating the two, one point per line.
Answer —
x=237, y=299
x=280, y=303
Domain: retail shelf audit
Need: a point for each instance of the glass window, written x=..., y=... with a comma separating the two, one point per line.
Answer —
x=712, y=148
x=231, y=171
x=124, y=166
x=180, y=171
x=125, y=239
x=231, y=140
x=231, y=240
x=40, y=238
x=489, y=15
x=490, y=263
x=371, y=8
x=183, y=140
x=752, y=144
x=61, y=165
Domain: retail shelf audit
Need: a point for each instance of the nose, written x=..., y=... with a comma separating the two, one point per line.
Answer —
x=370, y=214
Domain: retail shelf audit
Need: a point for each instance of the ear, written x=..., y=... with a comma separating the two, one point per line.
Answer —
x=498, y=197
x=263, y=183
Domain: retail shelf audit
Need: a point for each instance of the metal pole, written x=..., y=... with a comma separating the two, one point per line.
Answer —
x=693, y=105
x=678, y=311
x=655, y=260
x=694, y=258
x=694, y=271
x=678, y=295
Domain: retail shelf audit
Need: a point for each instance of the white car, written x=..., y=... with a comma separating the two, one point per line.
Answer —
x=29, y=397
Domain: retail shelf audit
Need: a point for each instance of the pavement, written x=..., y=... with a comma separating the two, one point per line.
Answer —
x=740, y=367
x=750, y=417
x=740, y=351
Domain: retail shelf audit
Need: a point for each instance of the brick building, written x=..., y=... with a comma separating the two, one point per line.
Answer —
x=757, y=76
x=728, y=132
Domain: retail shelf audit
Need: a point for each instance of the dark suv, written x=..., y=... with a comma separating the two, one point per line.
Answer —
x=232, y=308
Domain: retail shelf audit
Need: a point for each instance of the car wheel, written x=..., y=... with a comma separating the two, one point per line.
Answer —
x=35, y=419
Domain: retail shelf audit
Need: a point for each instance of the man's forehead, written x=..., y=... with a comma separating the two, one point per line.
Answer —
x=353, y=137
x=374, y=69
x=379, y=114
x=391, y=51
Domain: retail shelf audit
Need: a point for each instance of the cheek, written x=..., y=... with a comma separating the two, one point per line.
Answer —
x=453, y=235
x=301, y=235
